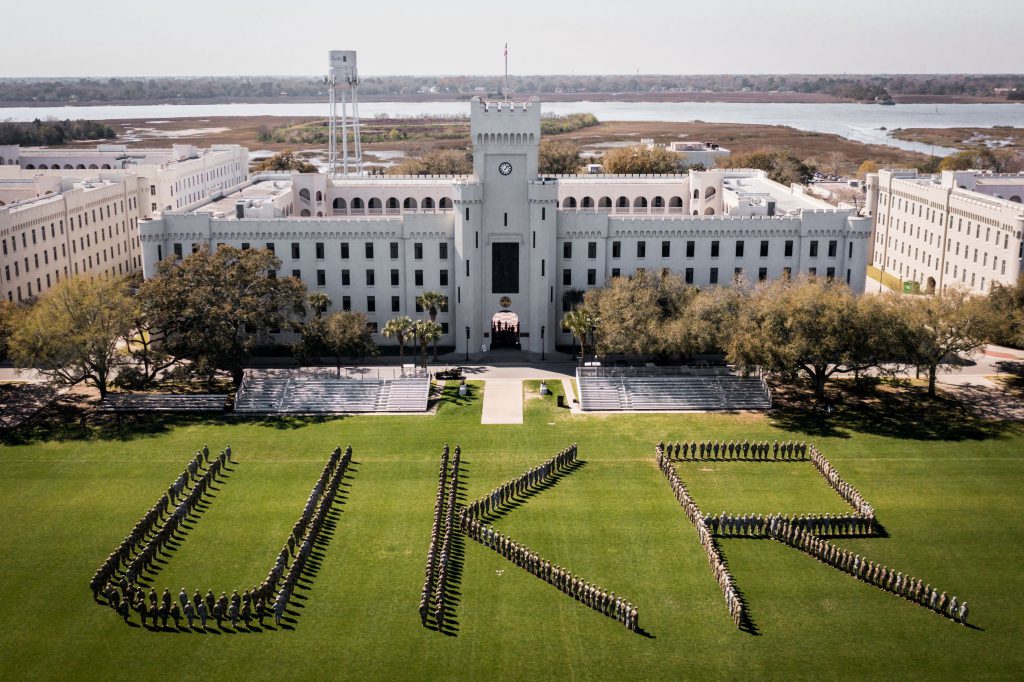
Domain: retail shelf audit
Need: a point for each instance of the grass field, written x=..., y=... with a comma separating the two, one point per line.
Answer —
x=945, y=488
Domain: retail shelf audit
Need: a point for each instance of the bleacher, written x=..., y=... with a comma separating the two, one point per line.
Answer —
x=164, y=402
x=716, y=390
x=261, y=394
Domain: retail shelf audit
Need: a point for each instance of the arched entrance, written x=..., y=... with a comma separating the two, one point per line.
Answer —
x=505, y=330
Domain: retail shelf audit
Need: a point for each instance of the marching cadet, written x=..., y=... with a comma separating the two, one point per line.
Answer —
x=176, y=615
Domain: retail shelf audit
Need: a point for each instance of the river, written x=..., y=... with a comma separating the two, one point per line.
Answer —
x=870, y=123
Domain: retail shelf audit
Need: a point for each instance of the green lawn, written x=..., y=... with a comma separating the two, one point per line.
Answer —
x=946, y=490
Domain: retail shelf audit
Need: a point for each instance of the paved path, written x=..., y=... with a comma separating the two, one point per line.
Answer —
x=503, y=402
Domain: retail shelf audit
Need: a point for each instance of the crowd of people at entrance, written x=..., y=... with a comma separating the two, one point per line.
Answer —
x=504, y=335
x=472, y=521
x=118, y=579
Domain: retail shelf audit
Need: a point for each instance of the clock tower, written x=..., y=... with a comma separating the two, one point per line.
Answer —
x=504, y=246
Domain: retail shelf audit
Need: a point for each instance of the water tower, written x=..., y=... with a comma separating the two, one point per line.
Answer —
x=343, y=78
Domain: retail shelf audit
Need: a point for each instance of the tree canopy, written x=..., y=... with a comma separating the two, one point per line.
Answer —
x=214, y=307
x=640, y=160
x=781, y=166
x=558, y=157
x=285, y=161
x=440, y=162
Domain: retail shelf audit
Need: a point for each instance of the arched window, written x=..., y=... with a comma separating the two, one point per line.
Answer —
x=304, y=194
x=1015, y=198
x=67, y=166
x=428, y=203
x=93, y=166
x=340, y=204
x=445, y=203
x=409, y=204
x=709, y=211
x=106, y=166
x=358, y=205
x=640, y=202
x=304, y=213
x=696, y=194
x=604, y=203
x=78, y=167
x=622, y=202
x=570, y=202
x=319, y=214
x=587, y=202
x=374, y=204
x=30, y=166
x=391, y=205
x=675, y=202
x=709, y=192
x=658, y=202
x=319, y=196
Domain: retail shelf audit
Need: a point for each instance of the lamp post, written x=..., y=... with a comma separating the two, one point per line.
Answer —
x=542, y=342
x=467, y=344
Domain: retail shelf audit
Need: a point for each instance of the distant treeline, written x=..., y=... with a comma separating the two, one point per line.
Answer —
x=859, y=87
x=53, y=132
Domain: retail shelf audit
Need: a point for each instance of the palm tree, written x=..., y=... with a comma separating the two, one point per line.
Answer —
x=426, y=331
x=579, y=322
x=319, y=302
x=402, y=329
x=432, y=301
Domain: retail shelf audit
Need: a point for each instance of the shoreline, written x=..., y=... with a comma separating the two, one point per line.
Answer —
x=645, y=97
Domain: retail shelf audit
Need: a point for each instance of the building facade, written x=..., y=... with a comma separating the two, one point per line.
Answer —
x=52, y=228
x=959, y=228
x=510, y=247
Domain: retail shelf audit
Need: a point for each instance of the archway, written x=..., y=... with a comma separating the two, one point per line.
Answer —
x=505, y=330
x=929, y=287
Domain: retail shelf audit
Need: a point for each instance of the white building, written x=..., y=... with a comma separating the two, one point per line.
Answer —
x=53, y=227
x=179, y=177
x=705, y=153
x=506, y=240
x=958, y=228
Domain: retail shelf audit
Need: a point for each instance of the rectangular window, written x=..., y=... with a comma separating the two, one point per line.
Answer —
x=714, y=249
x=764, y=248
x=371, y=304
x=443, y=278
x=812, y=271
x=567, y=277
x=833, y=246
x=369, y=250
x=830, y=274
x=319, y=250
x=542, y=263
x=615, y=272
x=641, y=249
x=713, y=278
x=788, y=250
x=442, y=250
x=504, y=268
x=543, y=213
x=762, y=274
x=690, y=248
x=418, y=278
x=814, y=248
x=567, y=250
x=467, y=213
x=849, y=253
x=591, y=249
x=787, y=273
x=321, y=278
x=444, y=325
x=270, y=247
x=177, y=251
x=417, y=250
x=344, y=250
x=245, y=246
x=297, y=274
x=295, y=249
x=739, y=248
x=346, y=279
x=666, y=249
x=688, y=275
x=396, y=304
x=346, y=303
x=616, y=249
x=506, y=220
x=737, y=275
x=394, y=278
x=369, y=278
x=591, y=277
x=393, y=248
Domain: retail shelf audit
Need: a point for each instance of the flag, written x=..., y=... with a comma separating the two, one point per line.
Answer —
x=506, y=50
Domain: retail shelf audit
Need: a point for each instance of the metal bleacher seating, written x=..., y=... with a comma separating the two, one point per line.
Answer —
x=609, y=389
x=164, y=402
x=329, y=395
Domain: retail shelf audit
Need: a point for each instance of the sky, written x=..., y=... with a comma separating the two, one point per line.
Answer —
x=270, y=37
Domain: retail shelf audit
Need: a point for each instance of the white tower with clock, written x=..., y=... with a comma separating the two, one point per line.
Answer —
x=506, y=230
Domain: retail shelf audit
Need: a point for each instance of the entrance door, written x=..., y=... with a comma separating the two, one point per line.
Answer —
x=505, y=330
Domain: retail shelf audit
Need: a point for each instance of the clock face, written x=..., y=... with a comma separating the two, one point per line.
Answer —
x=505, y=168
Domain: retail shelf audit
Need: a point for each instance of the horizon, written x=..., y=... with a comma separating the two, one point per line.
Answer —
x=599, y=37
x=850, y=74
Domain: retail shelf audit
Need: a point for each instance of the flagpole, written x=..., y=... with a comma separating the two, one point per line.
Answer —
x=506, y=71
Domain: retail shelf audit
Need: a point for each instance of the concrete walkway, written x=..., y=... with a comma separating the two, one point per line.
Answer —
x=503, y=402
